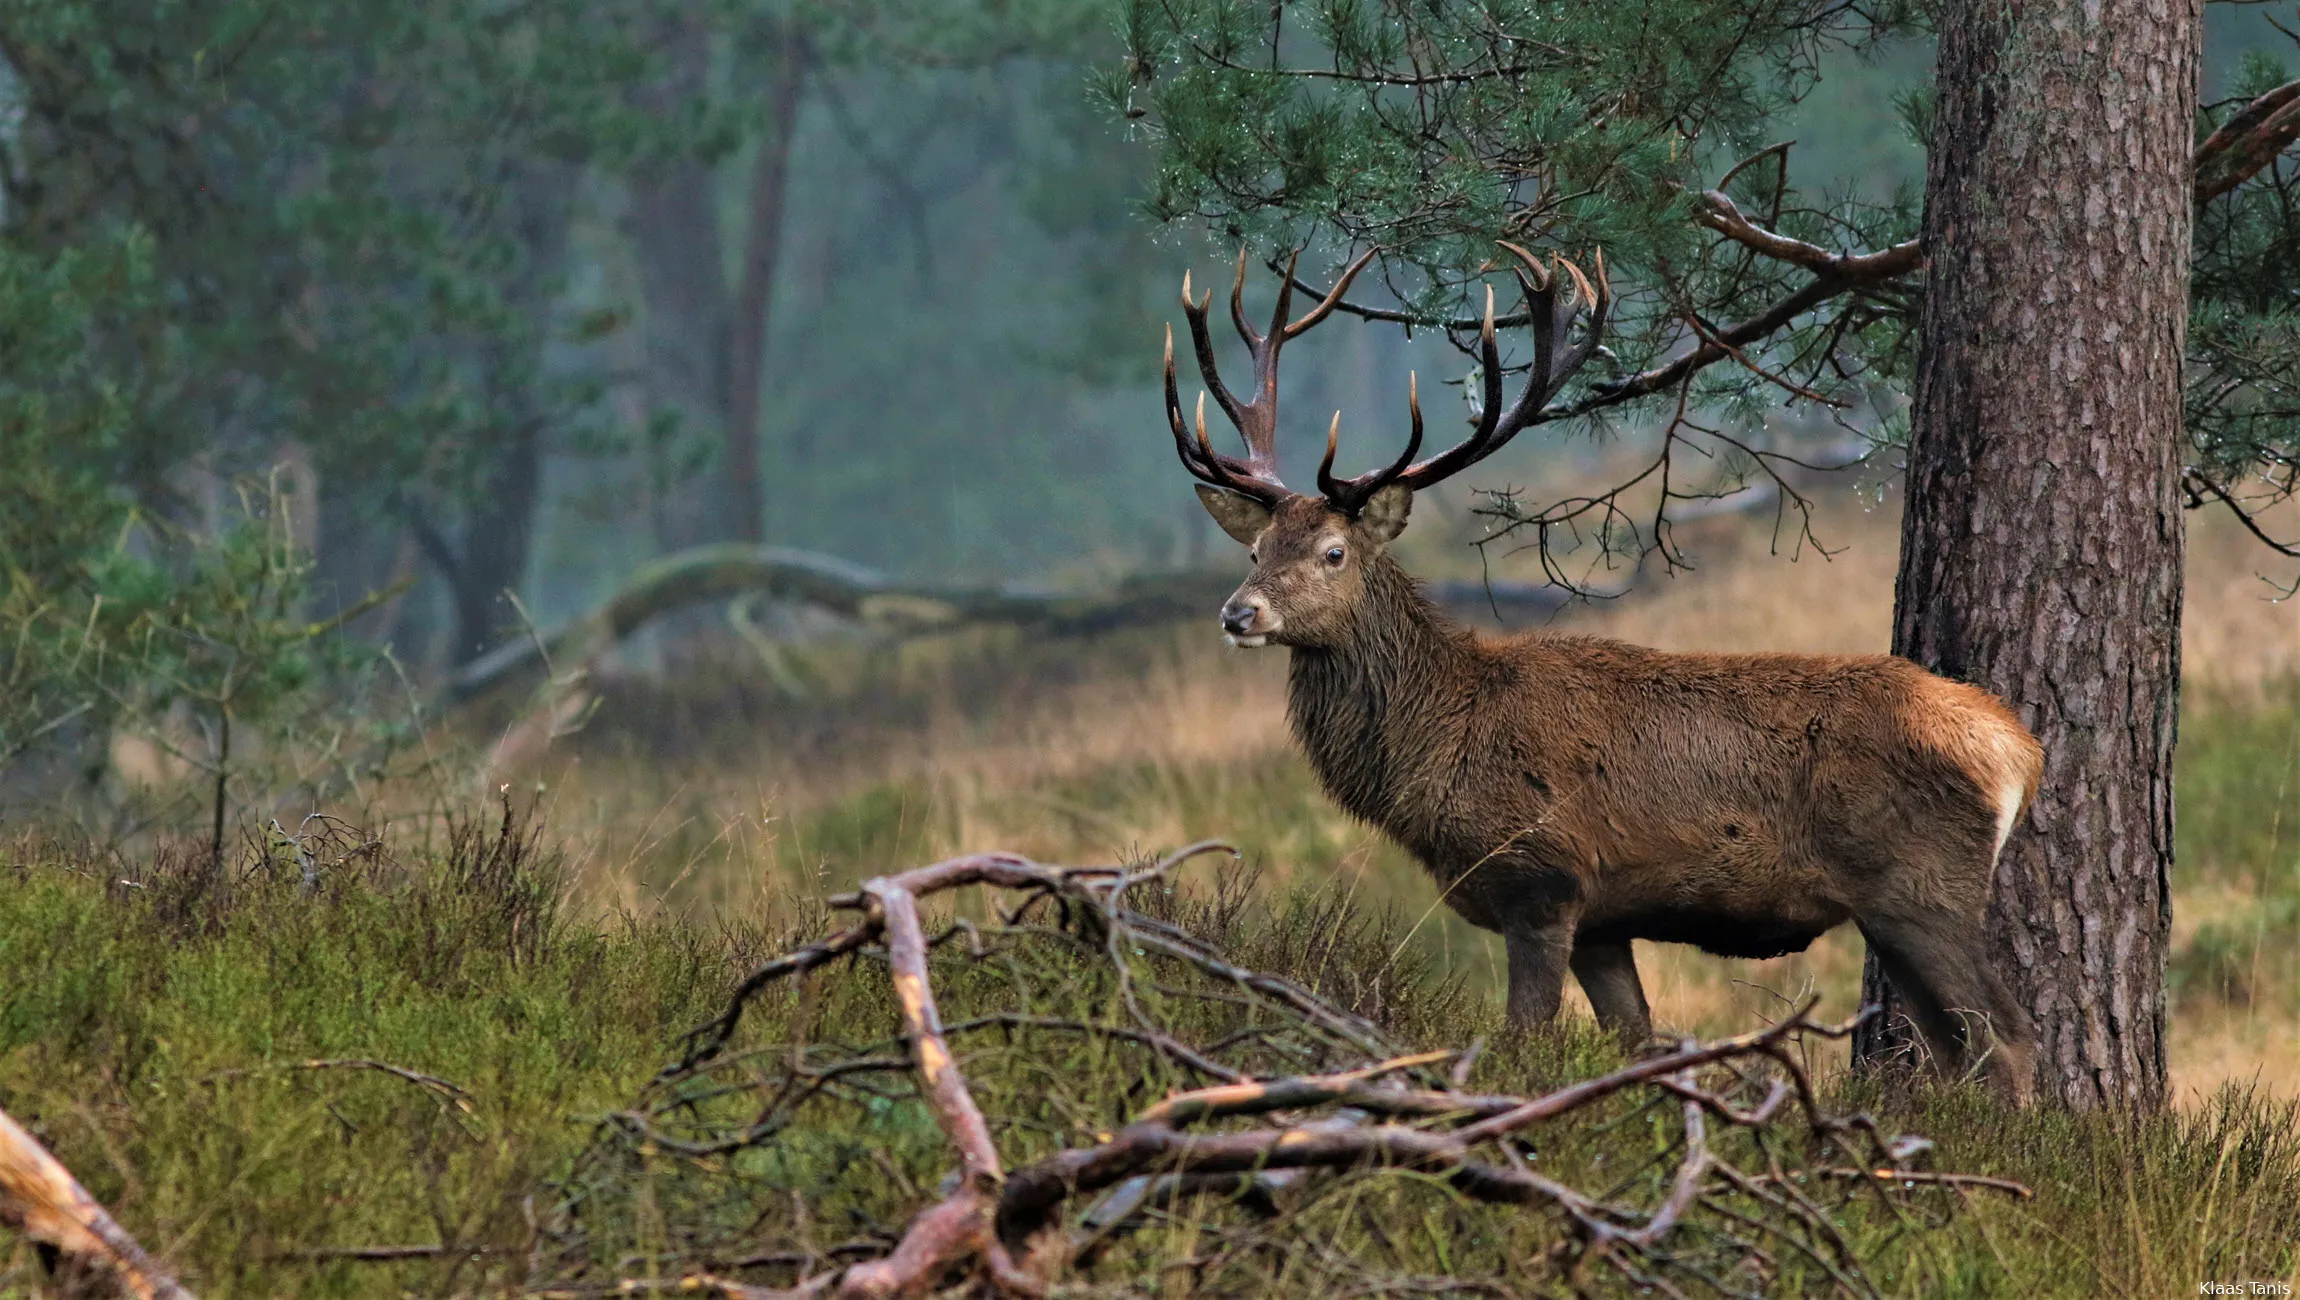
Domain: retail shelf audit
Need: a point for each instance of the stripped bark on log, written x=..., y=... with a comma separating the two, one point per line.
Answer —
x=40, y=1198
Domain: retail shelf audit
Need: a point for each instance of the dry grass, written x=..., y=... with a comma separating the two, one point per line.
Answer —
x=159, y=1054
x=1151, y=740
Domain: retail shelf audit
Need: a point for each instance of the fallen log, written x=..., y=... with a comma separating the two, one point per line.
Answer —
x=730, y=571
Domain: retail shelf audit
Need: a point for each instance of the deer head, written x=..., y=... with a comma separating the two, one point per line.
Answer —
x=1310, y=552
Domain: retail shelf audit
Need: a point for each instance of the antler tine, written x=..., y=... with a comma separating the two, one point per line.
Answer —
x=1238, y=305
x=1256, y=475
x=1555, y=360
x=1202, y=343
x=1527, y=262
x=1280, y=327
x=1182, y=444
x=1600, y=300
x=1326, y=481
x=1489, y=371
x=1198, y=455
x=1256, y=419
x=1550, y=328
x=1351, y=494
x=1333, y=296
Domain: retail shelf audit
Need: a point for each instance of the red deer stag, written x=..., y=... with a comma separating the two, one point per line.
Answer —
x=1574, y=793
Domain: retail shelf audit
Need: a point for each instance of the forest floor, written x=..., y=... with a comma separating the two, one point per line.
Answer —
x=1147, y=740
x=202, y=1046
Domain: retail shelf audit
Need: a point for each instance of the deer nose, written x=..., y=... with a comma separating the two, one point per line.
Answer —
x=1239, y=616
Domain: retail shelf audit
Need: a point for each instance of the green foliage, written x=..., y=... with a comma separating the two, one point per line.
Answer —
x=324, y=206
x=331, y=238
x=1431, y=131
x=2243, y=409
x=2233, y=960
x=63, y=416
x=2240, y=787
x=200, y=646
x=162, y=1034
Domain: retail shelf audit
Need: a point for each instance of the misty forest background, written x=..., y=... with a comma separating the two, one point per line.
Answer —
x=500, y=287
x=356, y=356
x=344, y=346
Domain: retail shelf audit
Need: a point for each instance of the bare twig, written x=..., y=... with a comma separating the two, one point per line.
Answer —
x=1372, y=1112
x=1924, y=1178
x=1719, y=213
x=2201, y=486
x=384, y=1254
x=449, y=1095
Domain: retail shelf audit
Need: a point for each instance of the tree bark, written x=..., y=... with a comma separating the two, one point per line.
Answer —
x=755, y=291
x=679, y=245
x=2042, y=545
x=496, y=537
x=499, y=525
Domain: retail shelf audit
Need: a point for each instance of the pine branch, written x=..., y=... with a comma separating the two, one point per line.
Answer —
x=2248, y=142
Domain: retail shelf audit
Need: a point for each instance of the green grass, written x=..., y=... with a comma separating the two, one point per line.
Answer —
x=157, y=1015
x=2239, y=850
x=151, y=1034
x=2239, y=787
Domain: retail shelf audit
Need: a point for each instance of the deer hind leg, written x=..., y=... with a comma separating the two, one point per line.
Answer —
x=1608, y=974
x=1537, y=962
x=1939, y=965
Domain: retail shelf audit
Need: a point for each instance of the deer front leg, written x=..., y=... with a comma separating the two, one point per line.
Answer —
x=1608, y=974
x=1537, y=962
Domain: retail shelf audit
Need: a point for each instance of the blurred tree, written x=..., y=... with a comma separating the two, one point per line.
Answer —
x=350, y=220
x=728, y=77
x=1429, y=131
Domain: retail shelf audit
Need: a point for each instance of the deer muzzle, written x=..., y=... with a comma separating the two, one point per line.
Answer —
x=1248, y=621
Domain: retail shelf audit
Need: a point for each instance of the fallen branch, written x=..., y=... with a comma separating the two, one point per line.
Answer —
x=40, y=1198
x=449, y=1096
x=1254, y=1135
x=723, y=573
x=382, y=1254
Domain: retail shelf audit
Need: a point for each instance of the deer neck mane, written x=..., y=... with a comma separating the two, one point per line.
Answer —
x=1389, y=676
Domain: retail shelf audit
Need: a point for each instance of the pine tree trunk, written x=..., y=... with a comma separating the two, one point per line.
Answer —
x=2042, y=546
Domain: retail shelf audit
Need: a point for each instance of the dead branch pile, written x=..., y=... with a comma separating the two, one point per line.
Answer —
x=1083, y=1093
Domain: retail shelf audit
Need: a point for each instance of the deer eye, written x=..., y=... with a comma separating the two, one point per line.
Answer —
x=1333, y=555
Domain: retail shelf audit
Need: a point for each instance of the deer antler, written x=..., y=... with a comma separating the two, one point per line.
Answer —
x=1555, y=358
x=1256, y=419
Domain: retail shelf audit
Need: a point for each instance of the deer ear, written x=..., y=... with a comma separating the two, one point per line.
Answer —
x=1384, y=515
x=1243, y=518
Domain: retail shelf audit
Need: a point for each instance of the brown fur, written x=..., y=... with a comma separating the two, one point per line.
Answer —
x=1574, y=793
